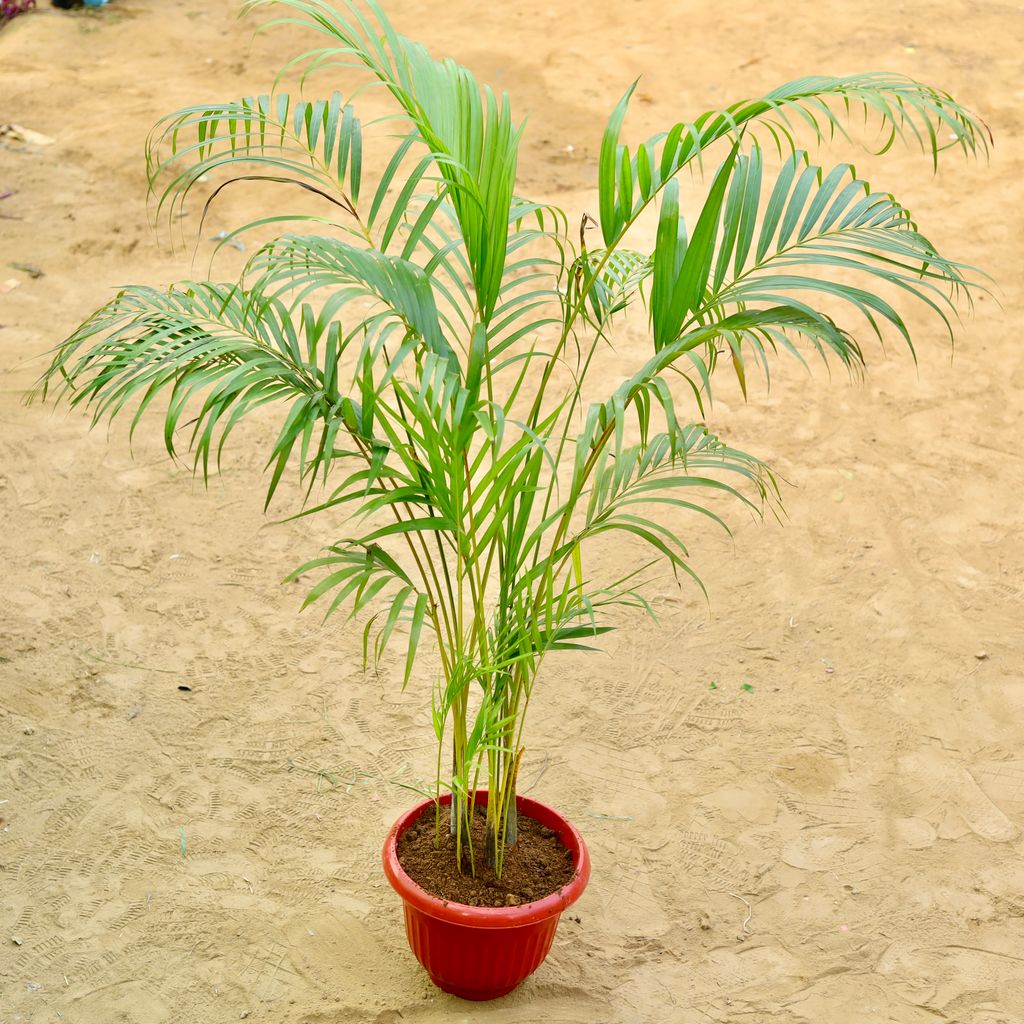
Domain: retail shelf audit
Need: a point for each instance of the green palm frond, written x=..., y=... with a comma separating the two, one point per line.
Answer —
x=610, y=279
x=297, y=266
x=658, y=472
x=827, y=223
x=317, y=141
x=315, y=144
x=651, y=472
x=358, y=574
x=784, y=251
x=218, y=352
x=902, y=109
x=682, y=264
x=468, y=130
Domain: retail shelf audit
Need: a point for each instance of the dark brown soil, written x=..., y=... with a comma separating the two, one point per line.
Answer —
x=538, y=865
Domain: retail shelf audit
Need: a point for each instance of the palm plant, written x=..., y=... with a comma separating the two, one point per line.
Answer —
x=433, y=347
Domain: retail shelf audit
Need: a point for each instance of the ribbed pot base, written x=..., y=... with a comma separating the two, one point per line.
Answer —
x=467, y=994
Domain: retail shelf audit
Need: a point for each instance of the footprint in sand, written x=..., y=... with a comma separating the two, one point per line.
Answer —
x=946, y=791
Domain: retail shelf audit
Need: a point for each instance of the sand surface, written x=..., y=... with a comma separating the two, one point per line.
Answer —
x=839, y=845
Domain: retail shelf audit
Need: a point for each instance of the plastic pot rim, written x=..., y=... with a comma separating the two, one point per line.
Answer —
x=490, y=917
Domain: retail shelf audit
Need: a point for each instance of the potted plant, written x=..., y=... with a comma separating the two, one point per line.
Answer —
x=435, y=346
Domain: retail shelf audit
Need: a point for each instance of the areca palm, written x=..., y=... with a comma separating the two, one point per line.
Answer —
x=432, y=347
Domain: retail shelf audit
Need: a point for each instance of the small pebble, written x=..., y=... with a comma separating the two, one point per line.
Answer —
x=981, y=655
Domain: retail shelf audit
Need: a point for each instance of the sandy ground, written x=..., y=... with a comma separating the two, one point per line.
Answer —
x=840, y=844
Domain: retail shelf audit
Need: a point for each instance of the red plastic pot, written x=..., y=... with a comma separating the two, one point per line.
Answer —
x=483, y=952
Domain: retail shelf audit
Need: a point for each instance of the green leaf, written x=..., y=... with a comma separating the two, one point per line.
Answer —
x=419, y=613
x=608, y=169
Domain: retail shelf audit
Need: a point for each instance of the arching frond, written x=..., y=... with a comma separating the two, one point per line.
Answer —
x=217, y=352
x=297, y=266
x=784, y=248
x=359, y=573
x=902, y=109
x=826, y=223
x=318, y=141
x=468, y=129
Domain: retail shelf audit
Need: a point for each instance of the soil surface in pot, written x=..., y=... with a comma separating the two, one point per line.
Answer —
x=538, y=865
